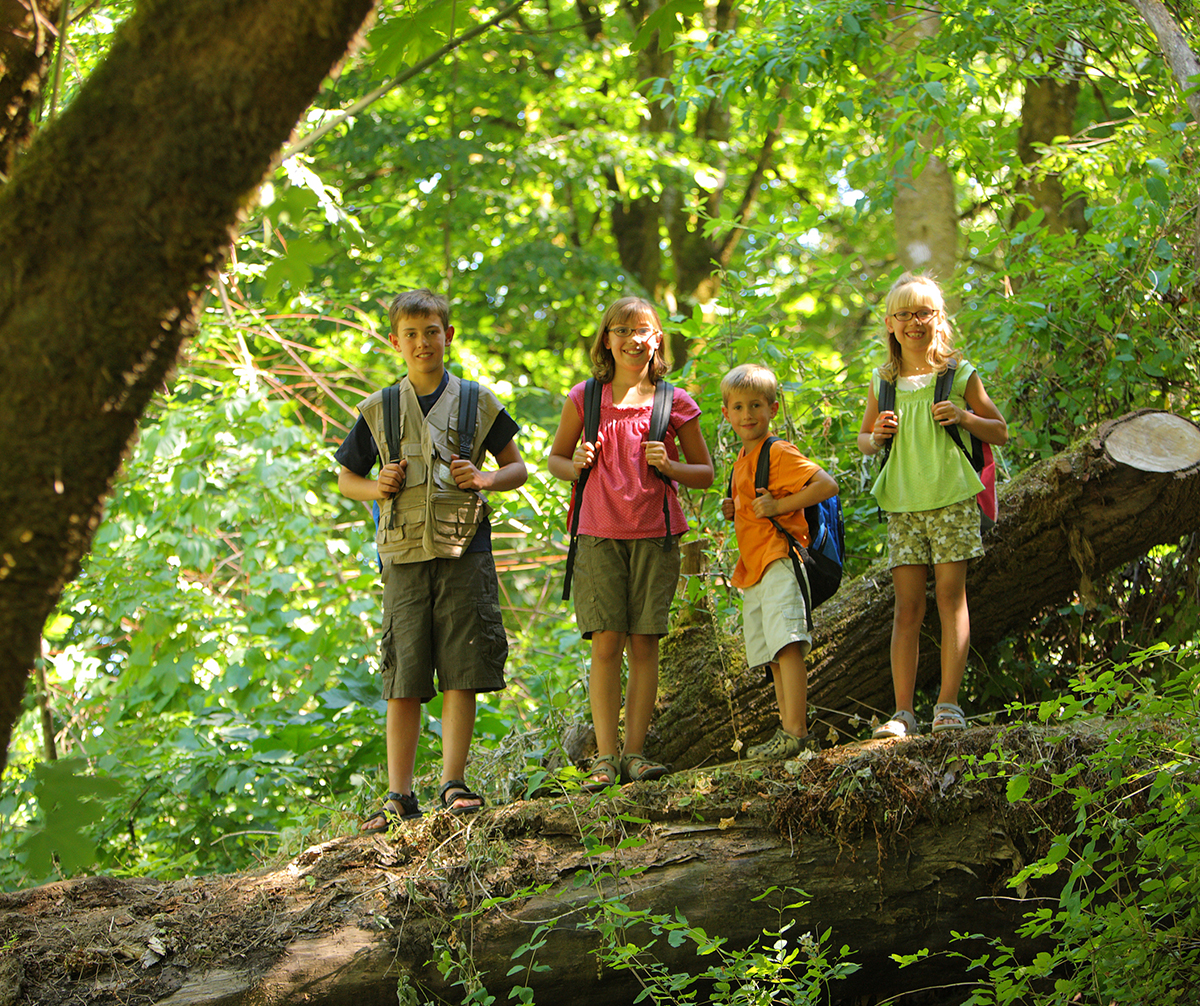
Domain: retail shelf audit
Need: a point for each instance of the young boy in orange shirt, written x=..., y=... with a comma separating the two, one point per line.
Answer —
x=774, y=620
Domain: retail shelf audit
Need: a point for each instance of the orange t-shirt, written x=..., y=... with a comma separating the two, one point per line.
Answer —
x=759, y=544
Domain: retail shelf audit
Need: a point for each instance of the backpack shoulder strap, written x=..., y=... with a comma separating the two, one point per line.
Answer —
x=660, y=411
x=391, y=420
x=468, y=408
x=887, y=403
x=941, y=392
x=592, y=392
x=762, y=471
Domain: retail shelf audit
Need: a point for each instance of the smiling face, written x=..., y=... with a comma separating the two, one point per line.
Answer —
x=633, y=341
x=749, y=413
x=916, y=319
x=421, y=340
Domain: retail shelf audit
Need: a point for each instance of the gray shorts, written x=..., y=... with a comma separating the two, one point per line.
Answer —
x=443, y=616
x=928, y=537
x=624, y=585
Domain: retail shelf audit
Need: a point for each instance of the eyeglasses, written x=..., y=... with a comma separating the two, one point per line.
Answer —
x=923, y=314
x=621, y=332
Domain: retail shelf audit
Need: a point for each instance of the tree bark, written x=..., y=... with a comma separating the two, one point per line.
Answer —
x=892, y=850
x=1185, y=67
x=28, y=32
x=1047, y=113
x=924, y=208
x=108, y=229
x=1132, y=484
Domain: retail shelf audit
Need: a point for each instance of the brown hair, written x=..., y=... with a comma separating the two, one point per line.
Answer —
x=628, y=311
x=909, y=291
x=750, y=377
x=418, y=304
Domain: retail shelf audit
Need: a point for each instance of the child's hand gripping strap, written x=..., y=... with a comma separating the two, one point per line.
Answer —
x=592, y=391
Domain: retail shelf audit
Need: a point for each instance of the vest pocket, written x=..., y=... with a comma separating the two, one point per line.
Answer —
x=454, y=517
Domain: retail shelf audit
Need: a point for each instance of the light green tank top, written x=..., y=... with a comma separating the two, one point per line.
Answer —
x=925, y=470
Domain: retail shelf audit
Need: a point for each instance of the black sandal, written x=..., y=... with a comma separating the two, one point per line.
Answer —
x=460, y=791
x=386, y=816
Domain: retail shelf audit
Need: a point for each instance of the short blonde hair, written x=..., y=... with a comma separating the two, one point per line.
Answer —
x=628, y=311
x=418, y=304
x=750, y=377
x=917, y=290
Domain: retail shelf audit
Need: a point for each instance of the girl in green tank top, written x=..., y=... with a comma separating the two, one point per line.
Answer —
x=927, y=488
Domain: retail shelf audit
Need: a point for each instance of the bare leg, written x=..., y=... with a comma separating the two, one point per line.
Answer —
x=791, y=689
x=604, y=689
x=458, y=726
x=402, y=732
x=909, y=582
x=641, y=692
x=950, y=580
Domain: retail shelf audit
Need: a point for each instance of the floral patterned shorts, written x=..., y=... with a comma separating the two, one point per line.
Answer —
x=928, y=537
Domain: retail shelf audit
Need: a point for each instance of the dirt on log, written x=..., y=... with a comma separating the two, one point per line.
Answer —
x=1132, y=484
x=895, y=844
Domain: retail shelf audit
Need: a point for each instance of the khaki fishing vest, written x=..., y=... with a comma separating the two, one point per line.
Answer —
x=430, y=517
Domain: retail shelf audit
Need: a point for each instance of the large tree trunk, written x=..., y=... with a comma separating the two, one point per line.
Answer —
x=1132, y=484
x=924, y=210
x=893, y=846
x=108, y=229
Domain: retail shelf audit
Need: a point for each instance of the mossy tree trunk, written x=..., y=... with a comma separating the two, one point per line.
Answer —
x=1132, y=484
x=109, y=227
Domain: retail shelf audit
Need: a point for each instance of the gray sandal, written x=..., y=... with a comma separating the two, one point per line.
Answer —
x=902, y=724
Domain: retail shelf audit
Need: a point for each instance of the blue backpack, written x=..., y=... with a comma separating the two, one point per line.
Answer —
x=822, y=561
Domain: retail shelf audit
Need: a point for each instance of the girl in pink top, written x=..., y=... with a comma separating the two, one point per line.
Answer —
x=624, y=578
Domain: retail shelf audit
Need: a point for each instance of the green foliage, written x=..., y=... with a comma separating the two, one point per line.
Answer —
x=1126, y=927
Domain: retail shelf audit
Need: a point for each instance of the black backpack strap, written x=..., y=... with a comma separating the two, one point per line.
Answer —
x=941, y=393
x=391, y=421
x=660, y=418
x=468, y=407
x=762, y=480
x=592, y=392
x=887, y=403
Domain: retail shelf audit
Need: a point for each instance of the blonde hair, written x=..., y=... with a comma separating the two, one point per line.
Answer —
x=910, y=291
x=750, y=377
x=627, y=311
x=418, y=304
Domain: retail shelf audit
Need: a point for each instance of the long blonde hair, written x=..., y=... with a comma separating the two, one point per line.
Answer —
x=628, y=311
x=909, y=291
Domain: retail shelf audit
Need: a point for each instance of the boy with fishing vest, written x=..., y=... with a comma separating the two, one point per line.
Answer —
x=441, y=610
x=774, y=618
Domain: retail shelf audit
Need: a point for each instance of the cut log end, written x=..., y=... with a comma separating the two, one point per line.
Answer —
x=1154, y=442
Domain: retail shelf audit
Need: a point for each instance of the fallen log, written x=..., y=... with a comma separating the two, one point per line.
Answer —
x=1130, y=485
x=894, y=845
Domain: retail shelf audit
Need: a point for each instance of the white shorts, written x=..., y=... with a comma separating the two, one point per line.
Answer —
x=773, y=615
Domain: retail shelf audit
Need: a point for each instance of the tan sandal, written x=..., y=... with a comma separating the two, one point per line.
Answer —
x=602, y=774
x=639, y=768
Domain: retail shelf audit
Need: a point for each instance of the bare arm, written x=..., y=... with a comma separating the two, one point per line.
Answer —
x=983, y=421
x=568, y=457
x=877, y=427
x=358, y=487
